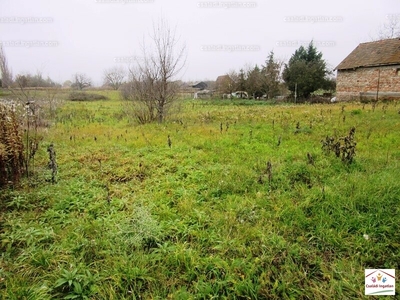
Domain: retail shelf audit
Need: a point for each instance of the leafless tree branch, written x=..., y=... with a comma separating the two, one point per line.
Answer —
x=152, y=83
x=114, y=77
x=6, y=74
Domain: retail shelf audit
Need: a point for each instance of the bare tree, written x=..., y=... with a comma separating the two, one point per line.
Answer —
x=390, y=29
x=16, y=88
x=81, y=81
x=152, y=80
x=233, y=83
x=6, y=74
x=141, y=90
x=114, y=77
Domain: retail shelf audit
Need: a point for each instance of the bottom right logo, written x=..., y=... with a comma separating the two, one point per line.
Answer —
x=380, y=282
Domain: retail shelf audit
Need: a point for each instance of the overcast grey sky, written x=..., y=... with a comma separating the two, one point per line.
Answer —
x=62, y=37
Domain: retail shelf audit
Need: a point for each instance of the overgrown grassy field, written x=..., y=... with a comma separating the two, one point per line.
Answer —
x=191, y=209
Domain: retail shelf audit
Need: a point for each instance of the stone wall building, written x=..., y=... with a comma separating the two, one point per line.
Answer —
x=371, y=71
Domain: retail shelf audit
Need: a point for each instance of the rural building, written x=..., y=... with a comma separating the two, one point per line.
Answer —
x=371, y=71
x=200, y=85
x=198, y=90
x=224, y=84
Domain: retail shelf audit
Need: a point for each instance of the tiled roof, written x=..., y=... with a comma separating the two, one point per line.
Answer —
x=223, y=78
x=378, y=53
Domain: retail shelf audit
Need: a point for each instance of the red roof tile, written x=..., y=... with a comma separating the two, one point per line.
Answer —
x=383, y=52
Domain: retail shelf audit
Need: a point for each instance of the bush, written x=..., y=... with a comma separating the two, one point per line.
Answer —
x=82, y=96
x=126, y=91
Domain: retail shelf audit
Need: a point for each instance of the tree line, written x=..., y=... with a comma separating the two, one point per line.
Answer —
x=305, y=72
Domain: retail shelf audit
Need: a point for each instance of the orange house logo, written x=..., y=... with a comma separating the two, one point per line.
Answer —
x=380, y=282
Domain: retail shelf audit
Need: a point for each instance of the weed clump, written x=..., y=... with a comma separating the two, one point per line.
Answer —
x=343, y=147
x=76, y=284
x=11, y=146
x=52, y=162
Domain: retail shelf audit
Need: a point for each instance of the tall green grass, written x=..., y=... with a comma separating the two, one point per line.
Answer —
x=132, y=218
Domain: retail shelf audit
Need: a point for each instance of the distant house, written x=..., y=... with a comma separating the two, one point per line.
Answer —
x=224, y=84
x=372, y=71
x=200, y=85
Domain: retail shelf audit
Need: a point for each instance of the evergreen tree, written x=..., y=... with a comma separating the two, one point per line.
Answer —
x=271, y=72
x=307, y=70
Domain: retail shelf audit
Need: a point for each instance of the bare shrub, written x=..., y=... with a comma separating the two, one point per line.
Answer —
x=81, y=81
x=84, y=96
x=114, y=77
x=152, y=88
x=11, y=145
x=343, y=147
